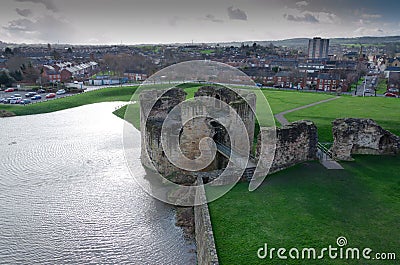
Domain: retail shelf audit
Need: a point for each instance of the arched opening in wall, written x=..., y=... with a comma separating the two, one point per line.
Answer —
x=218, y=101
x=219, y=132
x=180, y=136
x=221, y=137
x=385, y=144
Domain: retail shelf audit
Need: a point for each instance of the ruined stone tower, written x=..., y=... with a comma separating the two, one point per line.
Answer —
x=193, y=130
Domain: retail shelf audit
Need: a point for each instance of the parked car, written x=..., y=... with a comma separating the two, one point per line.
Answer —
x=51, y=95
x=8, y=90
x=7, y=100
x=368, y=90
x=25, y=101
x=15, y=100
x=61, y=92
x=36, y=97
x=41, y=91
x=2, y=100
x=30, y=94
x=17, y=95
x=390, y=95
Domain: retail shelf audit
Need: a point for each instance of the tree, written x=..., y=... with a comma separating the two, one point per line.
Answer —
x=124, y=62
x=56, y=55
x=17, y=75
x=275, y=69
x=31, y=74
x=254, y=46
x=6, y=79
x=17, y=63
x=8, y=52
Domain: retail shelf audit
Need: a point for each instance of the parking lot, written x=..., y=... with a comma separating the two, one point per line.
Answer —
x=22, y=94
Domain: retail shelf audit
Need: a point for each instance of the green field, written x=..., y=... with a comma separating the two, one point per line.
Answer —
x=101, y=95
x=310, y=206
x=286, y=100
x=207, y=52
x=385, y=111
x=279, y=100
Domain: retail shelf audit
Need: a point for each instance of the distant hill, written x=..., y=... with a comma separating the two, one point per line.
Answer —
x=303, y=42
x=295, y=42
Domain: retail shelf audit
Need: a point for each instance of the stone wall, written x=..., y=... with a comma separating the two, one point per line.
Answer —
x=242, y=103
x=206, y=250
x=295, y=143
x=362, y=136
x=152, y=153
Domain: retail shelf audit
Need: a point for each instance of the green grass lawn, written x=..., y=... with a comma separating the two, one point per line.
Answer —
x=286, y=100
x=278, y=100
x=310, y=206
x=101, y=95
x=207, y=52
x=385, y=111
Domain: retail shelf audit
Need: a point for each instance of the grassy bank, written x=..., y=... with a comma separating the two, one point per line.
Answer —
x=309, y=206
x=385, y=111
x=97, y=96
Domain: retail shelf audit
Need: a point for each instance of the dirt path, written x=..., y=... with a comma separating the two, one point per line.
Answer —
x=329, y=164
x=281, y=116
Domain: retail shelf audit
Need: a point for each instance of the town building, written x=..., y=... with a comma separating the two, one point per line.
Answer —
x=328, y=82
x=318, y=48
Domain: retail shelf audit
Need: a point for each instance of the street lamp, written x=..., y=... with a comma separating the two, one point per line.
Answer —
x=365, y=84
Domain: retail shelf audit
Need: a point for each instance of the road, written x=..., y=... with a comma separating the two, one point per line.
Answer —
x=367, y=88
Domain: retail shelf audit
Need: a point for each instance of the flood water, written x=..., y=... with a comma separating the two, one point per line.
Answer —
x=66, y=195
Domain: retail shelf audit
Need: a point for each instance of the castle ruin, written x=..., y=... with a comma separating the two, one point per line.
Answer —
x=195, y=124
x=189, y=125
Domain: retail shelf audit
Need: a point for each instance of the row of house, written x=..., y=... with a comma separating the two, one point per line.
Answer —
x=319, y=81
x=135, y=76
x=66, y=71
x=301, y=80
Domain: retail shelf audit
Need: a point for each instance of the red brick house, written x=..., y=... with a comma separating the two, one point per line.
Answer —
x=282, y=79
x=50, y=74
x=328, y=82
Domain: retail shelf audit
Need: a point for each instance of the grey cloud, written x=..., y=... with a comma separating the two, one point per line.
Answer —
x=23, y=12
x=23, y=25
x=306, y=18
x=371, y=16
x=302, y=3
x=236, y=14
x=49, y=4
x=45, y=28
x=212, y=18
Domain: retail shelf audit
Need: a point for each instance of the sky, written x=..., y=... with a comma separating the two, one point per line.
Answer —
x=199, y=21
